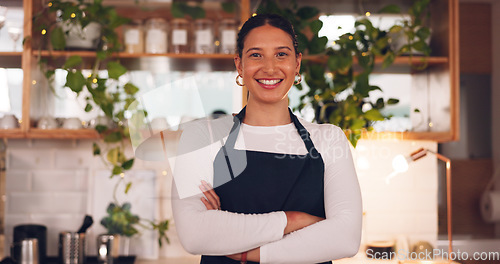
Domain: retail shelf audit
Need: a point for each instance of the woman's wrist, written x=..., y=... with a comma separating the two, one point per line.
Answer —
x=244, y=258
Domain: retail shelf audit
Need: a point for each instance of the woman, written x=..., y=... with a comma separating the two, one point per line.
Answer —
x=285, y=189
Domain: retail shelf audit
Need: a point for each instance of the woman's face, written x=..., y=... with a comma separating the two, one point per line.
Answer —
x=268, y=64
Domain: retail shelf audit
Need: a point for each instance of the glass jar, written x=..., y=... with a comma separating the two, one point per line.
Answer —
x=156, y=35
x=228, y=32
x=180, y=36
x=134, y=37
x=204, y=36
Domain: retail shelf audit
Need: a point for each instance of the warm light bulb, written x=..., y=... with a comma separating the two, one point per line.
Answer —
x=164, y=173
x=122, y=175
x=254, y=14
x=49, y=4
x=368, y=14
x=73, y=15
x=351, y=37
x=44, y=31
x=400, y=164
x=33, y=82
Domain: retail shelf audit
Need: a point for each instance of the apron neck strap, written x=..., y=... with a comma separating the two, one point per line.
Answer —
x=238, y=119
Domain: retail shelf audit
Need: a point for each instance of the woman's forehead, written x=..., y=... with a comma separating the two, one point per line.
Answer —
x=267, y=36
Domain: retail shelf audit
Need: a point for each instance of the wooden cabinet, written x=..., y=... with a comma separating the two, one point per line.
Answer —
x=441, y=75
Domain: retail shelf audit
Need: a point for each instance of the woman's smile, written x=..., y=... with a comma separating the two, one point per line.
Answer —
x=269, y=83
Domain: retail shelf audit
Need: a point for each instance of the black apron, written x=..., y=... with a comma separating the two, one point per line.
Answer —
x=262, y=182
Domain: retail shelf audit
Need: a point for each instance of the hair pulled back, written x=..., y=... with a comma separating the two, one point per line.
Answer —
x=259, y=20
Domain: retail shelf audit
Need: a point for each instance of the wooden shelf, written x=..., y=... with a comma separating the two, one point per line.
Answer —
x=171, y=61
x=402, y=60
x=91, y=54
x=11, y=133
x=433, y=136
x=10, y=59
x=62, y=133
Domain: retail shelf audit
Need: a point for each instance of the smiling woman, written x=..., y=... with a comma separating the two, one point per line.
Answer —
x=285, y=190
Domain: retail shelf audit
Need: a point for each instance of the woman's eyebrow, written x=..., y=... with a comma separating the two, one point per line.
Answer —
x=277, y=48
x=250, y=49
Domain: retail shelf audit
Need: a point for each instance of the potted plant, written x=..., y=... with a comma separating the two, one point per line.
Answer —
x=104, y=92
x=342, y=96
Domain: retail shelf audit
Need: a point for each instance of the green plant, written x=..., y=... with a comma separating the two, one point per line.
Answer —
x=99, y=83
x=338, y=92
x=120, y=220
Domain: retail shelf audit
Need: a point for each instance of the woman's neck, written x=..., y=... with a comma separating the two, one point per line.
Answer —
x=267, y=114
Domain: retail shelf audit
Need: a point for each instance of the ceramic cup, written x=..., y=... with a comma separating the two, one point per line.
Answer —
x=47, y=122
x=72, y=123
x=8, y=121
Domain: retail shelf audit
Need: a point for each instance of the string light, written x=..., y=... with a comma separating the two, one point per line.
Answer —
x=351, y=37
x=363, y=54
x=33, y=82
x=122, y=175
x=430, y=124
x=44, y=31
x=73, y=15
x=164, y=173
x=334, y=43
x=368, y=14
x=50, y=4
x=94, y=80
x=254, y=14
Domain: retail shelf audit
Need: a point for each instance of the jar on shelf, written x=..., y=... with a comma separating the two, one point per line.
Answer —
x=156, y=35
x=134, y=37
x=180, y=36
x=228, y=32
x=204, y=36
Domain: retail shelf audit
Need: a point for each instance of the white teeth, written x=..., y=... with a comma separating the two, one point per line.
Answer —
x=269, y=82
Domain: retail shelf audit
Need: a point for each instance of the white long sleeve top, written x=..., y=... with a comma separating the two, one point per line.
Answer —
x=215, y=232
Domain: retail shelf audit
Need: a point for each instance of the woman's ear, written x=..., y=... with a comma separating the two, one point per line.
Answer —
x=237, y=63
x=299, y=61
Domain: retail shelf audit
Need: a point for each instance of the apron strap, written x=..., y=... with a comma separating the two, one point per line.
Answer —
x=238, y=119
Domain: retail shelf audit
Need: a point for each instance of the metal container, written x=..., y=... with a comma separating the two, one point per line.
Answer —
x=108, y=248
x=71, y=248
x=28, y=251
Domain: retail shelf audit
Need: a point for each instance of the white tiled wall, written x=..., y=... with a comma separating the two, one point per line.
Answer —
x=57, y=182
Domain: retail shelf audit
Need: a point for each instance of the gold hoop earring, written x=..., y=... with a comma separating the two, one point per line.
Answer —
x=238, y=81
x=297, y=82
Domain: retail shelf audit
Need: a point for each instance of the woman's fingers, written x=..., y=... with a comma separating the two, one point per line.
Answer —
x=212, y=201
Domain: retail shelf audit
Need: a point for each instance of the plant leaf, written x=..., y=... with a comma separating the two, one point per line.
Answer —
x=115, y=70
x=228, y=7
x=117, y=170
x=72, y=61
x=374, y=115
x=128, y=164
x=88, y=108
x=113, y=137
x=390, y=9
x=96, y=149
x=130, y=88
x=75, y=81
x=57, y=39
x=101, y=128
x=127, y=187
x=392, y=101
x=307, y=12
x=316, y=26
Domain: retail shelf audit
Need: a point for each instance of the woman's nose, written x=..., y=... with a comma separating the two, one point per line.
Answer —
x=269, y=66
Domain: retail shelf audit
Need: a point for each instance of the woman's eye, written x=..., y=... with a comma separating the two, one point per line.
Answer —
x=255, y=55
x=282, y=54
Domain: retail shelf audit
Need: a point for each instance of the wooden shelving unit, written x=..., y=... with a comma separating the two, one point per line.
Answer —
x=444, y=66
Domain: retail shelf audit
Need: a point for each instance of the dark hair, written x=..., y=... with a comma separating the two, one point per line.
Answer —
x=259, y=20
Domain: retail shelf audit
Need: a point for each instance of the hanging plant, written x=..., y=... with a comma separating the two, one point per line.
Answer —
x=103, y=88
x=338, y=77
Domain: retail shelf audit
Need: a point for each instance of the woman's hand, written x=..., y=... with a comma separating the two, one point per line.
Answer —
x=298, y=220
x=211, y=199
x=252, y=255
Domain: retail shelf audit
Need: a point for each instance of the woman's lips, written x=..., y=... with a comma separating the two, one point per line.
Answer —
x=269, y=83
